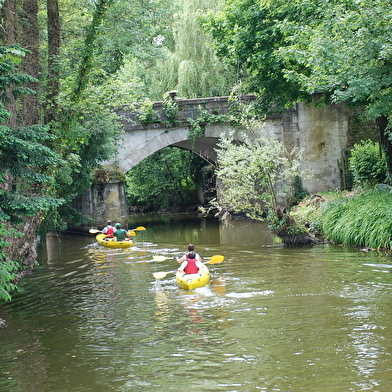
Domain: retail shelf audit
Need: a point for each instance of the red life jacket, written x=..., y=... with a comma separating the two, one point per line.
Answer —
x=110, y=231
x=191, y=267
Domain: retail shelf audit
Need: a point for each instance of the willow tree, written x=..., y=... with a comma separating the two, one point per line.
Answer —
x=190, y=65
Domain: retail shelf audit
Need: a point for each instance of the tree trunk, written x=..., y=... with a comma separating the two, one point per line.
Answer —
x=10, y=35
x=54, y=42
x=382, y=123
x=30, y=41
x=9, y=28
x=23, y=249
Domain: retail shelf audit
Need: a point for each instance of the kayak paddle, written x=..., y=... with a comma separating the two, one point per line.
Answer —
x=140, y=228
x=160, y=258
x=214, y=259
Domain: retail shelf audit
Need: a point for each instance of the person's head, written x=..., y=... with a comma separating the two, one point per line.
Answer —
x=191, y=247
x=118, y=225
x=109, y=222
x=192, y=255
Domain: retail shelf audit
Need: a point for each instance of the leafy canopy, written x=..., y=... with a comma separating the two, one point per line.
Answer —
x=291, y=50
x=27, y=165
x=346, y=54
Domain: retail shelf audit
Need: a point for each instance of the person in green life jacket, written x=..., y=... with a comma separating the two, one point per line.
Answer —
x=120, y=233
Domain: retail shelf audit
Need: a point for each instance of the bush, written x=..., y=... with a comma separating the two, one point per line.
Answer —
x=367, y=165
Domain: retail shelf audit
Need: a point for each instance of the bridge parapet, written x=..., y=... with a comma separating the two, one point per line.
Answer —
x=186, y=109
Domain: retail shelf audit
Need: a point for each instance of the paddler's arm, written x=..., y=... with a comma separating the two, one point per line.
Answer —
x=182, y=259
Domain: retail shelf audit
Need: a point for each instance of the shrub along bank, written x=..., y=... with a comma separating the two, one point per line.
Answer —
x=359, y=218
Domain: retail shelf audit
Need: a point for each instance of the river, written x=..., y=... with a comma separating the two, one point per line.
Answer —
x=311, y=319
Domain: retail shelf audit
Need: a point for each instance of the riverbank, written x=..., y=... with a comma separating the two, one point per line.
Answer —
x=361, y=218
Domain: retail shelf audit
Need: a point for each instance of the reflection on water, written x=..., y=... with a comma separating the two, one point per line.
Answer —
x=272, y=319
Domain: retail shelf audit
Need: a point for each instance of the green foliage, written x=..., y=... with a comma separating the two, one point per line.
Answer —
x=188, y=63
x=289, y=50
x=366, y=164
x=12, y=82
x=146, y=113
x=346, y=55
x=249, y=34
x=27, y=165
x=170, y=108
x=197, y=126
x=164, y=179
x=131, y=33
x=360, y=220
x=86, y=63
x=8, y=268
x=257, y=176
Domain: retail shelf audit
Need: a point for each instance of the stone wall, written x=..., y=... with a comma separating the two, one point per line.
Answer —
x=102, y=202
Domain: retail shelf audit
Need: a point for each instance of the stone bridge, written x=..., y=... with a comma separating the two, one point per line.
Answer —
x=140, y=141
x=322, y=134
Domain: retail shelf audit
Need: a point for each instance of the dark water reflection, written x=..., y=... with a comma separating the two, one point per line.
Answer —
x=272, y=319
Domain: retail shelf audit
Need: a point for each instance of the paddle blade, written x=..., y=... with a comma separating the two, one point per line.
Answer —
x=216, y=259
x=94, y=231
x=132, y=233
x=159, y=258
x=140, y=228
x=159, y=275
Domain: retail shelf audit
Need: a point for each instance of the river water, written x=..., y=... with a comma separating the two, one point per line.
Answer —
x=311, y=319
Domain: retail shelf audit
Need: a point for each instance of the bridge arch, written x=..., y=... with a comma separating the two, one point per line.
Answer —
x=322, y=133
x=138, y=145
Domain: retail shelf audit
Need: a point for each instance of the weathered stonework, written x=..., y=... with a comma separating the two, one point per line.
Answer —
x=323, y=133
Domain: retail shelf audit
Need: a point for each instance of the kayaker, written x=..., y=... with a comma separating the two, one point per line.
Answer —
x=109, y=229
x=191, y=248
x=120, y=233
x=191, y=265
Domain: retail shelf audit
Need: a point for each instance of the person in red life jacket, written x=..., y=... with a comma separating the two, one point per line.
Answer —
x=108, y=230
x=191, y=248
x=191, y=265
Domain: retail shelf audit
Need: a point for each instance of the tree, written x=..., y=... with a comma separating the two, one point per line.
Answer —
x=367, y=167
x=257, y=177
x=291, y=50
x=191, y=66
x=30, y=112
x=347, y=56
x=27, y=177
x=248, y=34
x=181, y=57
x=53, y=66
x=9, y=27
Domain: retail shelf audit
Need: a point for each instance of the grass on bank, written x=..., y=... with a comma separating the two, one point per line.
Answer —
x=362, y=218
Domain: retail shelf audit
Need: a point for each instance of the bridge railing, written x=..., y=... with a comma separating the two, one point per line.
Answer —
x=185, y=109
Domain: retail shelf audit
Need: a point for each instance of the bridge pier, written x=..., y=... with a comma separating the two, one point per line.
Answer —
x=103, y=202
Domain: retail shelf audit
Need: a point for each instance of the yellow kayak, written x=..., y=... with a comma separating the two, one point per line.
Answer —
x=112, y=243
x=190, y=282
